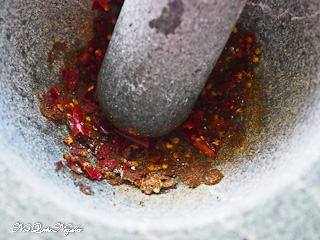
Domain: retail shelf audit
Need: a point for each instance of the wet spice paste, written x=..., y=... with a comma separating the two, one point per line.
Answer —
x=101, y=152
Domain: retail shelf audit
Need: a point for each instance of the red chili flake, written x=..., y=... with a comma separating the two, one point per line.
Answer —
x=93, y=173
x=143, y=142
x=110, y=163
x=85, y=57
x=93, y=69
x=103, y=127
x=195, y=137
x=104, y=153
x=205, y=147
x=90, y=108
x=153, y=159
x=71, y=78
x=54, y=92
x=197, y=116
x=231, y=79
x=96, y=6
x=249, y=38
x=78, y=123
x=240, y=54
x=54, y=101
x=229, y=103
x=120, y=144
x=209, y=98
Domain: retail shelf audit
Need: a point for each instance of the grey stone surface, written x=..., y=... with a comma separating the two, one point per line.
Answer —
x=273, y=195
x=159, y=58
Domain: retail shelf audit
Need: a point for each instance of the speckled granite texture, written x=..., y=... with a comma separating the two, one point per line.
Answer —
x=274, y=194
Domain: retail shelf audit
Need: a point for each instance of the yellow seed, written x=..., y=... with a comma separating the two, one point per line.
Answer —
x=135, y=146
x=156, y=190
x=249, y=74
x=90, y=49
x=249, y=84
x=257, y=51
x=71, y=105
x=114, y=20
x=175, y=140
x=75, y=101
x=124, y=159
x=94, y=128
x=90, y=88
x=106, y=7
x=66, y=156
x=88, y=119
x=255, y=59
x=249, y=40
x=164, y=166
x=109, y=36
x=239, y=110
x=98, y=52
x=135, y=163
x=235, y=30
x=83, y=153
x=67, y=50
x=240, y=75
x=189, y=154
x=216, y=142
x=151, y=167
x=68, y=140
x=59, y=106
x=86, y=164
x=169, y=145
x=202, y=138
x=69, y=115
x=209, y=86
x=175, y=155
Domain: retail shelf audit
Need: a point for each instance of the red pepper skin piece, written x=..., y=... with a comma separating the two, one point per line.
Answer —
x=197, y=116
x=78, y=123
x=91, y=171
x=71, y=78
x=205, y=147
x=90, y=108
x=110, y=163
x=143, y=142
x=96, y=6
x=121, y=145
x=54, y=92
x=85, y=58
x=104, y=153
x=193, y=136
x=153, y=159
x=54, y=101
x=104, y=128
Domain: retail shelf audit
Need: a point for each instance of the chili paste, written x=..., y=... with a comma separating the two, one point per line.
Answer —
x=99, y=151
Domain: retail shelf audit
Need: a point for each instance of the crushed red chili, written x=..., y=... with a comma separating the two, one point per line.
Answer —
x=187, y=153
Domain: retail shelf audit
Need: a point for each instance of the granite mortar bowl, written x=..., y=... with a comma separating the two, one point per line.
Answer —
x=272, y=194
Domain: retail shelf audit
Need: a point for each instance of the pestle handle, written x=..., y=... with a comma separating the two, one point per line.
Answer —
x=159, y=58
